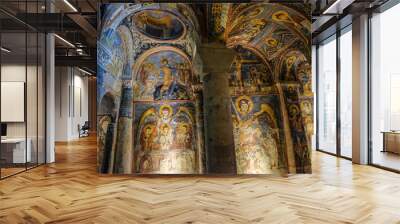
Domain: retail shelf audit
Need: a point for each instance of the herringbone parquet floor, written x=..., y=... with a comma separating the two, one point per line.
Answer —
x=70, y=191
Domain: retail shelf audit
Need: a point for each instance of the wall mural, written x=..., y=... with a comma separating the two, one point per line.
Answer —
x=256, y=114
x=166, y=136
x=158, y=24
x=269, y=29
x=165, y=116
x=256, y=134
x=249, y=75
x=150, y=103
x=297, y=127
x=165, y=75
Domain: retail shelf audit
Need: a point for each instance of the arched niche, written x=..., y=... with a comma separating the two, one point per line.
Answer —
x=107, y=105
x=249, y=73
x=294, y=74
x=126, y=45
x=165, y=122
x=163, y=73
x=105, y=131
x=259, y=135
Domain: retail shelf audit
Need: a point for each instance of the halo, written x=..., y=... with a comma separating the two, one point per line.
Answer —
x=183, y=124
x=164, y=59
x=281, y=16
x=151, y=126
x=271, y=42
x=249, y=101
x=255, y=12
x=165, y=125
x=168, y=107
x=293, y=107
x=291, y=60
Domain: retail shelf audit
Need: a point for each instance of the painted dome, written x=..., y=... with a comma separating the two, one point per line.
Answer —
x=158, y=24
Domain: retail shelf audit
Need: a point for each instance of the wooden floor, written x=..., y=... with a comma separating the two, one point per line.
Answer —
x=70, y=191
x=5, y=172
x=387, y=159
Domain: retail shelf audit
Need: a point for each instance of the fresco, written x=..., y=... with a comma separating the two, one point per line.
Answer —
x=269, y=28
x=258, y=142
x=165, y=138
x=301, y=144
x=148, y=108
x=165, y=114
x=279, y=36
x=256, y=115
x=158, y=24
x=150, y=90
x=291, y=64
x=248, y=75
x=165, y=75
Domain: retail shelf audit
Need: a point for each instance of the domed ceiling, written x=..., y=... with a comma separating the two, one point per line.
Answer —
x=158, y=24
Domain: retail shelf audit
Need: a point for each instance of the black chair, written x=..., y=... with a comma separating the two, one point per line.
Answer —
x=84, y=130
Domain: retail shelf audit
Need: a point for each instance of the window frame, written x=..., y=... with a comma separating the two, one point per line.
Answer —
x=338, y=34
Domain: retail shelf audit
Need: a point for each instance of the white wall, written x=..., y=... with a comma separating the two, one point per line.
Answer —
x=80, y=110
x=33, y=127
x=71, y=102
x=12, y=73
x=16, y=73
x=61, y=103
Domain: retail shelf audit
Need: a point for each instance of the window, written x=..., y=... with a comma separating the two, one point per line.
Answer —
x=327, y=96
x=346, y=93
x=334, y=109
x=385, y=89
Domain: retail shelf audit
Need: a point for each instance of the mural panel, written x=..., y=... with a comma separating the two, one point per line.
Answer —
x=248, y=75
x=256, y=114
x=257, y=134
x=165, y=75
x=297, y=122
x=165, y=138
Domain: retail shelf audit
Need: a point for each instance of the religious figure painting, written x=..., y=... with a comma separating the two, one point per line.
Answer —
x=256, y=134
x=298, y=126
x=249, y=76
x=165, y=138
x=165, y=75
x=291, y=66
x=277, y=40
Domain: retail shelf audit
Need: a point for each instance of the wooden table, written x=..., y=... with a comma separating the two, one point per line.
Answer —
x=391, y=141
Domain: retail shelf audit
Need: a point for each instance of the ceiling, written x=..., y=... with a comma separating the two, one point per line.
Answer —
x=77, y=23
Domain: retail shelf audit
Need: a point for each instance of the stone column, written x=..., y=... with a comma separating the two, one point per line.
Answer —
x=219, y=140
x=124, y=143
x=200, y=166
